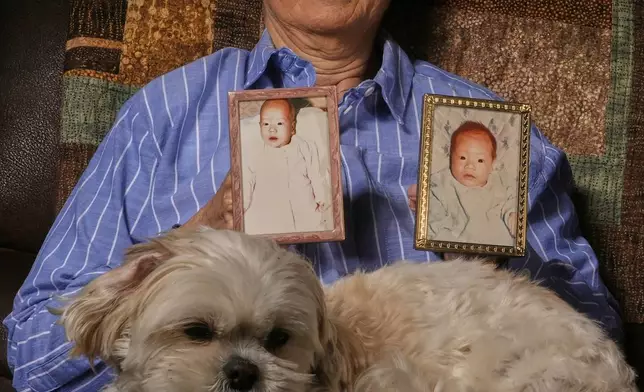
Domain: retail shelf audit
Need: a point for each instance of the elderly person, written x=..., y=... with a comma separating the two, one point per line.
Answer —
x=167, y=156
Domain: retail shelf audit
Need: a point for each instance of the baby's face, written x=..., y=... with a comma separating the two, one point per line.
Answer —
x=471, y=160
x=277, y=124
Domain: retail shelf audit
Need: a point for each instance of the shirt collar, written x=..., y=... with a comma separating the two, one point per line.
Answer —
x=258, y=59
x=394, y=77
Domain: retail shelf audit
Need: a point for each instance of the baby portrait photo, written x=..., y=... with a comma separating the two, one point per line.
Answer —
x=285, y=164
x=473, y=176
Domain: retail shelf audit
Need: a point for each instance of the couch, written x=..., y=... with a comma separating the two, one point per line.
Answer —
x=578, y=62
x=32, y=52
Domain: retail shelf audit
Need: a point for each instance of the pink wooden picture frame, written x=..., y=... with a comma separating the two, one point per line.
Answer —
x=318, y=100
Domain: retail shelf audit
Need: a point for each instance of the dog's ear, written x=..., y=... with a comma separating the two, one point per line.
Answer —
x=324, y=352
x=100, y=314
x=334, y=367
x=325, y=328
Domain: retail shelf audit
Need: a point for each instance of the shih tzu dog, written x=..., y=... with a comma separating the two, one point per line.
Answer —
x=222, y=311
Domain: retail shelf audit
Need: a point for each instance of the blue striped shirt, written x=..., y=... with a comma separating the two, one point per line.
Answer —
x=169, y=151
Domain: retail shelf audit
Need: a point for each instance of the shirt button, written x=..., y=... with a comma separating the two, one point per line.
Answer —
x=347, y=110
x=369, y=91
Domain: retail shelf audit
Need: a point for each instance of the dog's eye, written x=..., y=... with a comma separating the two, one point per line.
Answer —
x=275, y=339
x=198, y=331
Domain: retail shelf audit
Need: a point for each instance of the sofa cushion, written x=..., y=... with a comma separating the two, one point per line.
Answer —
x=15, y=267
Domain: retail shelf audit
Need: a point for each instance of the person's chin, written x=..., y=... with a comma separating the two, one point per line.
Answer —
x=469, y=181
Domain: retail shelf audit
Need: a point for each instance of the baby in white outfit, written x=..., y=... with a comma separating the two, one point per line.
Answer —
x=469, y=201
x=285, y=189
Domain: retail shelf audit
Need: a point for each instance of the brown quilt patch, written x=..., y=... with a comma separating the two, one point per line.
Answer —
x=621, y=247
x=97, y=18
x=161, y=35
x=92, y=74
x=94, y=58
x=238, y=23
x=96, y=42
x=562, y=69
x=596, y=13
x=94, y=36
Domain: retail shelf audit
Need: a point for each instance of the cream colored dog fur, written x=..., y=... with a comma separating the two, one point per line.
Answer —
x=224, y=312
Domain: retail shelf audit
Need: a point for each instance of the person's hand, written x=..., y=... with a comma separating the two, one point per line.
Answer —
x=218, y=212
x=412, y=192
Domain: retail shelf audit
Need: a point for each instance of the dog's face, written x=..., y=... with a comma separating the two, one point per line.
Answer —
x=204, y=311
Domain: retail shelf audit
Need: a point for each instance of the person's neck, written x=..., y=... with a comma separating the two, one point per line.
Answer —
x=343, y=59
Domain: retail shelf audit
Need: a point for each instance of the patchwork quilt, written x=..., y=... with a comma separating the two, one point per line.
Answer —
x=580, y=64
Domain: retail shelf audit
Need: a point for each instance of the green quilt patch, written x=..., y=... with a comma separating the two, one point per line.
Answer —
x=601, y=178
x=90, y=108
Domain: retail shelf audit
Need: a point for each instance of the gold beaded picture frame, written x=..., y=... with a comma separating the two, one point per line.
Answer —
x=473, y=176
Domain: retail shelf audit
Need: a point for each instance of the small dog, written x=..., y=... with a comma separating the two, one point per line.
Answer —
x=222, y=311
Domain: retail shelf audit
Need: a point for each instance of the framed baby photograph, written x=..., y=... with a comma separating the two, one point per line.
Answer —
x=285, y=164
x=473, y=176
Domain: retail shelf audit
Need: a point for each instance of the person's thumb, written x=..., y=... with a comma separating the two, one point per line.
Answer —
x=412, y=190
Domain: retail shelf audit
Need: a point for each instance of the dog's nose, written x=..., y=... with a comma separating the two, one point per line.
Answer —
x=241, y=373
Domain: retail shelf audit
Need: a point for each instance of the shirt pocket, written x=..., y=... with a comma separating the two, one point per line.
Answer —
x=391, y=174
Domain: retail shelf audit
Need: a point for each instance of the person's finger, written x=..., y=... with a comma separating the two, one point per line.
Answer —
x=227, y=182
x=412, y=191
